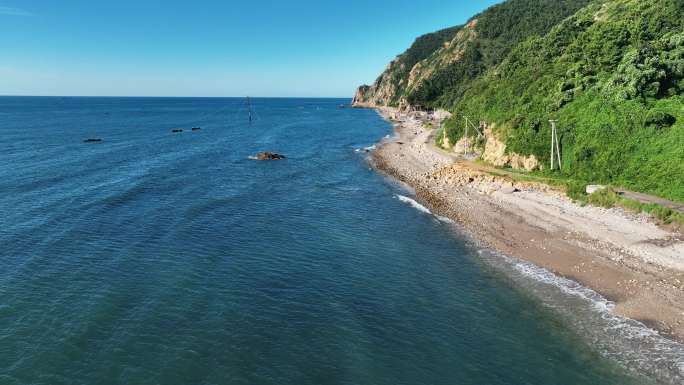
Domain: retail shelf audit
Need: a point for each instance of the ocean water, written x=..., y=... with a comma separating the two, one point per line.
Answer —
x=161, y=258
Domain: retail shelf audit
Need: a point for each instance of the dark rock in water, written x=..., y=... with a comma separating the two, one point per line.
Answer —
x=177, y=130
x=196, y=128
x=92, y=140
x=269, y=156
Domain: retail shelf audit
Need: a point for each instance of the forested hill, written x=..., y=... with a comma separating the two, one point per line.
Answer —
x=436, y=69
x=611, y=72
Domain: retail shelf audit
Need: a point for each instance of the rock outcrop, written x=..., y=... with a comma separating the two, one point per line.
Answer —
x=266, y=155
x=361, y=97
x=496, y=154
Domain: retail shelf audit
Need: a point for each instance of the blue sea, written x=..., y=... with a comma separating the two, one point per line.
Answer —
x=155, y=257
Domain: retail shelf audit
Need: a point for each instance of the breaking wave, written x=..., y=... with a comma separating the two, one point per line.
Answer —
x=631, y=343
x=413, y=203
x=366, y=149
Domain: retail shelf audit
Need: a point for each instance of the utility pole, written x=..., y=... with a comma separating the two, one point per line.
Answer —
x=466, y=144
x=555, y=146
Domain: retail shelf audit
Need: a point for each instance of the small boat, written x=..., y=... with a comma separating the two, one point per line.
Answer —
x=177, y=130
x=92, y=140
x=196, y=128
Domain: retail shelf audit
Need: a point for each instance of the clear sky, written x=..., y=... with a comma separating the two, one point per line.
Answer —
x=210, y=47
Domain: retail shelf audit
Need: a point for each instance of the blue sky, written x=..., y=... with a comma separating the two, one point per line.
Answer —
x=209, y=47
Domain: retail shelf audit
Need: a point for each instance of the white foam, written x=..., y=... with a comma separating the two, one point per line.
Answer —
x=445, y=219
x=567, y=286
x=414, y=204
x=366, y=149
x=630, y=342
x=422, y=208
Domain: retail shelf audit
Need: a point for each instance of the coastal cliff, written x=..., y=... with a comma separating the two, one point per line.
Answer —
x=611, y=73
x=447, y=60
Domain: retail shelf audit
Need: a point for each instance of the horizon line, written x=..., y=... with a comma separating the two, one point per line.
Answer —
x=174, y=96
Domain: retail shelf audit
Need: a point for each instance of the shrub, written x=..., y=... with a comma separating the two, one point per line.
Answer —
x=604, y=198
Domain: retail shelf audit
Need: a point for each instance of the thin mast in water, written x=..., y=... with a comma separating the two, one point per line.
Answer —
x=249, y=109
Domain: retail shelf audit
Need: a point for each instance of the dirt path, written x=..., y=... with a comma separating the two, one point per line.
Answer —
x=650, y=199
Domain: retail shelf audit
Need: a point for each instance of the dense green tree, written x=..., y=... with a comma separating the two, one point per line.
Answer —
x=613, y=75
x=498, y=30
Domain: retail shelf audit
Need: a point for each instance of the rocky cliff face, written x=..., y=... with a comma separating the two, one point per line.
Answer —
x=444, y=57
x=390, y=87
x=386, y=90
x=495, y=153
x=360, y=97
x=398, y=80
x=438, y=67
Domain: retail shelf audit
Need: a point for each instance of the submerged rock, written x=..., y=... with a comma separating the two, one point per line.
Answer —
x=266, y=155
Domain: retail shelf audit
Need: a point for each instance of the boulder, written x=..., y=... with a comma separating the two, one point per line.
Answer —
x=592, y=188
x=266, y=155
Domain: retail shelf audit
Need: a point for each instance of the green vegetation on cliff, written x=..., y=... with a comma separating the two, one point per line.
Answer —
x=425, y=46
x=613, y=75
x=453, y=57
x=611, y=72
x=496, y=32
x=394, y=79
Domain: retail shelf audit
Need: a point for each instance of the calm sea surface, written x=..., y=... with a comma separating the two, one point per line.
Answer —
x=160, y=258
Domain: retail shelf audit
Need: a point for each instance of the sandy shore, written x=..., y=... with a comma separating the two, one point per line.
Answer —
x=624, y=257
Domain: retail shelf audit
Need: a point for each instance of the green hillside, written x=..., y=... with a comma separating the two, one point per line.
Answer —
x=613, y=75
x=611, y=72
x=391, y=84
x=497, y=31
x=453, y=57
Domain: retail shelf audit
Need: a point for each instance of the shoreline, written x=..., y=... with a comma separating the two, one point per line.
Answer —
x=623, y=257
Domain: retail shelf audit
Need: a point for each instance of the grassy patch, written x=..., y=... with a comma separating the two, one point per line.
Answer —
x=608, y=198
x=603, y=198
x=664, y=214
